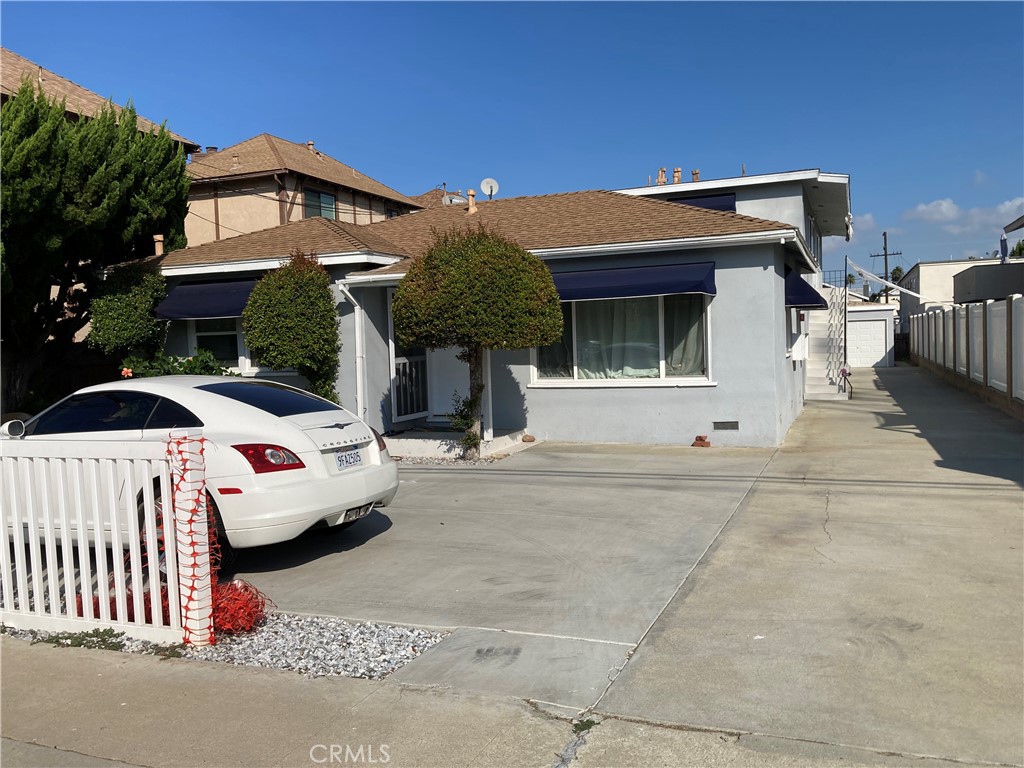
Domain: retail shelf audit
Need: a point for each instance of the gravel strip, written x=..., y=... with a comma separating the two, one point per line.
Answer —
x=446, y=461
x=316, y=646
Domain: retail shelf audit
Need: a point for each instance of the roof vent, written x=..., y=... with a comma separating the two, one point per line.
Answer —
x=158, y=245
x=309, y=145
x=677, y=175
x=235, y=165
x=471, y=194
x=211, y=150
x=696, y=174
x=661, y=177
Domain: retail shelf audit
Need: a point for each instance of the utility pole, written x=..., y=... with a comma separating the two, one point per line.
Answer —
x=886, y=254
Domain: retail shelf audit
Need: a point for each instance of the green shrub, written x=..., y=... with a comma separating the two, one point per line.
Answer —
x=122, y=310
x=290, y=321
x=202, y=363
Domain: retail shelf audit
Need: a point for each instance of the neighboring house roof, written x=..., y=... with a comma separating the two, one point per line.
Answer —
x=266, y=154
x=570, y=220
x=79, y=101
x=432, y=199
x=325, y=237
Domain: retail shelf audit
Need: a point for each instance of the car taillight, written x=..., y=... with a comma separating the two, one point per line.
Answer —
x=380, y=440
x=264, y=457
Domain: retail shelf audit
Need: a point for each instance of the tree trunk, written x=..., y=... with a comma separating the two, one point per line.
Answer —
x=475, y=358
x=16, y=373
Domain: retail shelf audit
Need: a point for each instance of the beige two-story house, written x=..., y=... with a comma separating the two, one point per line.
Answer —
x=267, y=181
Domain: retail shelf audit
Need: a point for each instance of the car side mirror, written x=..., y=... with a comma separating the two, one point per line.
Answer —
x=15, y=428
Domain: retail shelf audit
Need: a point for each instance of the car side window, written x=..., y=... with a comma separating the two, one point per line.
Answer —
x=169, y=415
x=95, y=412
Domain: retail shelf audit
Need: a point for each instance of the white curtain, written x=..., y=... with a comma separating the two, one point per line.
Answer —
x=684, y=335
x=617, y=339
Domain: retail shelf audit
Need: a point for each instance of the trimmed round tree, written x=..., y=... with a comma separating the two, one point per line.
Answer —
x=476, y=289
x=290, y=322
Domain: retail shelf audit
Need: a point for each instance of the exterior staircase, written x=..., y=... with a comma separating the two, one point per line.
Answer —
x=825, y=349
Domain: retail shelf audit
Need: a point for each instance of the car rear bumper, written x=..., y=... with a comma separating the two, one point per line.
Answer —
x=256, y=516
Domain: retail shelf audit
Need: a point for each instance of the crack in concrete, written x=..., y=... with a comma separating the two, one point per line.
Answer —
x=736, y=735
x=824, y=526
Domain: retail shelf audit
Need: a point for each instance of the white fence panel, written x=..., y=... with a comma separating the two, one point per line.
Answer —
x=948, y=336
x=1017, y=344
x=961, y=341
x=976, y=315
x=996, y=348
x=84, y=532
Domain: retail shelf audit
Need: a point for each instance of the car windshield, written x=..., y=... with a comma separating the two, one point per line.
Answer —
x=270, y=397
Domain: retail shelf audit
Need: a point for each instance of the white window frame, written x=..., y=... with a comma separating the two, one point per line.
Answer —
x=245, y=365
x=537, y=382
x=393, y=367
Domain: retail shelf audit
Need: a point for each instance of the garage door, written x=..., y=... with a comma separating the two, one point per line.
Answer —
x=866, y=345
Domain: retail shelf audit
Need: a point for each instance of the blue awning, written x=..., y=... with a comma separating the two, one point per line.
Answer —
x=206, y=301
x=630, y=282
x=801, y=295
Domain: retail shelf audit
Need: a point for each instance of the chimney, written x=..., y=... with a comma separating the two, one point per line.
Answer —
x=677, y=175
x=743, y=169
x=211, y=150
x=661, y=176
x=309, y=145
x=158, y=245
x=696, y=174
x=471, y=194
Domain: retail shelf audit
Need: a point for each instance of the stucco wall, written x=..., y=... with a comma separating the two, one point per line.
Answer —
x=747, y=353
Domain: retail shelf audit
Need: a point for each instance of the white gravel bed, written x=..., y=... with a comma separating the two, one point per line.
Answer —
x=316, y=646
x=447, y=461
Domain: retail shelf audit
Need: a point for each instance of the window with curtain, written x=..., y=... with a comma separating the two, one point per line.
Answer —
x=651, y=337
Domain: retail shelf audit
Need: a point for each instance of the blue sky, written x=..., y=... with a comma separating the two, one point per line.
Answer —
x=922, y=104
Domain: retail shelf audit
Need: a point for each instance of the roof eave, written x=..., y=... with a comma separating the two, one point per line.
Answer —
x=273, y=262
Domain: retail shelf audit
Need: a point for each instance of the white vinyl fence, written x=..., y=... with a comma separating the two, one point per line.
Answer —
x=983, y=342
x=90, y=545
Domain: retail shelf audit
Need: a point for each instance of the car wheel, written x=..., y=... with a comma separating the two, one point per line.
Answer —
x=224, y=566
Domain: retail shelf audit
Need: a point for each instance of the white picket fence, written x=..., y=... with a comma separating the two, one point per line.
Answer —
x=79, y=515
x=983, y=342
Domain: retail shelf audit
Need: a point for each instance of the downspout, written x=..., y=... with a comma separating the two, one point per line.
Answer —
x=359, y=317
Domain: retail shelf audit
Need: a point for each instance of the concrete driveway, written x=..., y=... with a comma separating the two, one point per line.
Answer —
x=857, y=592
x=552, y=563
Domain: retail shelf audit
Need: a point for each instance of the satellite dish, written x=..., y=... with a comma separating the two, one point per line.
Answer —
x=489, y=187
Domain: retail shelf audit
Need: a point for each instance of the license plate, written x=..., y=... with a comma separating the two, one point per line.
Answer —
x=347, y=457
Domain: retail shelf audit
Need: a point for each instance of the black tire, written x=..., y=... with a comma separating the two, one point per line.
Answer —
x=224, y=569
x=224, y=566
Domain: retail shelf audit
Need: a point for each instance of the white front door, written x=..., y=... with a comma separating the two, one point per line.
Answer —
x=446, y=375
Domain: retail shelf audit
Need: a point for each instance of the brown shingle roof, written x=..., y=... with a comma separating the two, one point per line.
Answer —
x=14, y=69
x=319, y=235
x=570, y=219
x=270, y=154
x=432, y=199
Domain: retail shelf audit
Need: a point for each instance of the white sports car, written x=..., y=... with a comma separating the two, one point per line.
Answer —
x=278, y=460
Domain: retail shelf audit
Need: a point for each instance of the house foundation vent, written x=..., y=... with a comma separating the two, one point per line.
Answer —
x=725, y=425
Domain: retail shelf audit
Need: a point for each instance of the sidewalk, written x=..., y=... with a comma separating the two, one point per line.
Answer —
x=862, y=607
